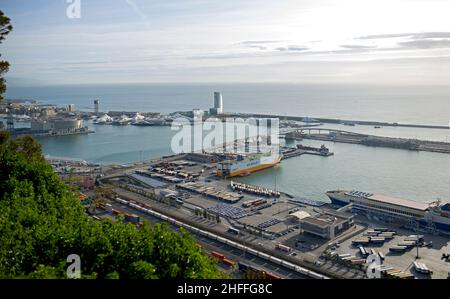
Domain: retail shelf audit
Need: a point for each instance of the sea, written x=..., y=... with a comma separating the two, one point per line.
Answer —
x=421, y=176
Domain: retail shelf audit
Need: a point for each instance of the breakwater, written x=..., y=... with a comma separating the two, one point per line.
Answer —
x=339, y=121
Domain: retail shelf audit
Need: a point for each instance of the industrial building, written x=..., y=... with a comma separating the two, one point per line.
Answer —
x=56, y=125
x=327, y=224
x=218, y=104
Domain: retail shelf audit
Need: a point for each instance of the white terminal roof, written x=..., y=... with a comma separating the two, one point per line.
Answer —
x=300, y=215
x=400, y=202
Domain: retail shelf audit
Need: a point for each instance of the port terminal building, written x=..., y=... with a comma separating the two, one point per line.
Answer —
x=327, y=224
x=57, y=125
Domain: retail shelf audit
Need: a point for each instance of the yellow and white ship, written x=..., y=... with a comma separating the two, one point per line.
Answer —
x=246, y=164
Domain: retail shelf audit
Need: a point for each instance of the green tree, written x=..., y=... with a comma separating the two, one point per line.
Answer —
x=42, y=222
x=5, y=29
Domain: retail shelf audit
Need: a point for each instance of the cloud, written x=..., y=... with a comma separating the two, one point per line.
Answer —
x=258, y=47
x=416, y=35
x=357, y=47
x=256, y=42
x=426, y=44
x=292, y=49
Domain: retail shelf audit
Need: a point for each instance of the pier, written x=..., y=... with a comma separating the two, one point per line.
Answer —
x=339, y=121
x=342, y=136
x=290, y=152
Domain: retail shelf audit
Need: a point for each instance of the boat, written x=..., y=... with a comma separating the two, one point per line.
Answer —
x=432, y=217
x=103, y=120
x=137, y=118
x=156, y=122
x=246, y=164
x=149, y=122
x=322, y=150
x=123, y=120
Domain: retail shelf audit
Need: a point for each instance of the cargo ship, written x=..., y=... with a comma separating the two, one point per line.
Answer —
x=246, y=164
x=433, y=217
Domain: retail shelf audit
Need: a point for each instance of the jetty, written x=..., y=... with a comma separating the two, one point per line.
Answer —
x=342, y=136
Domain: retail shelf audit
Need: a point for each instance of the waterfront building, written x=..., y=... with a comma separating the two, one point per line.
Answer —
x=327, y=224
x=57, y=125
x=433, y=217
x=71, y=108
x=48, y=112
x=218, y=104
x=96, y=106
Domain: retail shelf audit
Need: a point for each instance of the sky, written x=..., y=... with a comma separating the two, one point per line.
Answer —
x=200, y=41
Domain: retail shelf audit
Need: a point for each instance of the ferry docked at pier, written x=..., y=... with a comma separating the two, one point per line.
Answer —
x=432, y=217
x=246, y=164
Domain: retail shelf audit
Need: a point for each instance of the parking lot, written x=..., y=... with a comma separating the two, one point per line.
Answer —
x=404, y=261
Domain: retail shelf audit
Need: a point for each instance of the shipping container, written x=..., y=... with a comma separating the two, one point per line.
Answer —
x=228, y=262
x=284, y=248
x=217, y=255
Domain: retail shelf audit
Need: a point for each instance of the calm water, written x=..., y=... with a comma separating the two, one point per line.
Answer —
x=412, y=104
x=417, y=175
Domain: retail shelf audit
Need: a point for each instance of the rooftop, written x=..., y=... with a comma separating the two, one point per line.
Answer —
x=400, y=202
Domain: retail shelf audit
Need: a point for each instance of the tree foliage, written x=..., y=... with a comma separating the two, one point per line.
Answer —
x=5, y=29
x=42, y=222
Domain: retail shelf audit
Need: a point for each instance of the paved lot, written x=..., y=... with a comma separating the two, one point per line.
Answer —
x=430, y=256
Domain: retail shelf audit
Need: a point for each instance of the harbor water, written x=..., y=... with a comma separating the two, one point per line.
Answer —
x=420, y=176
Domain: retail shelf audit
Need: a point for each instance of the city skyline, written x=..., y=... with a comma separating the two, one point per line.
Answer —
x=131, y=41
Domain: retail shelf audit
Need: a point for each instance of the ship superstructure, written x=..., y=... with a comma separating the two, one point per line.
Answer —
x=243, y=165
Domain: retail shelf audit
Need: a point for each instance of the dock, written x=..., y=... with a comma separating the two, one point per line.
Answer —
x=290, y=152
x=341, y=121
x=341, y=136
